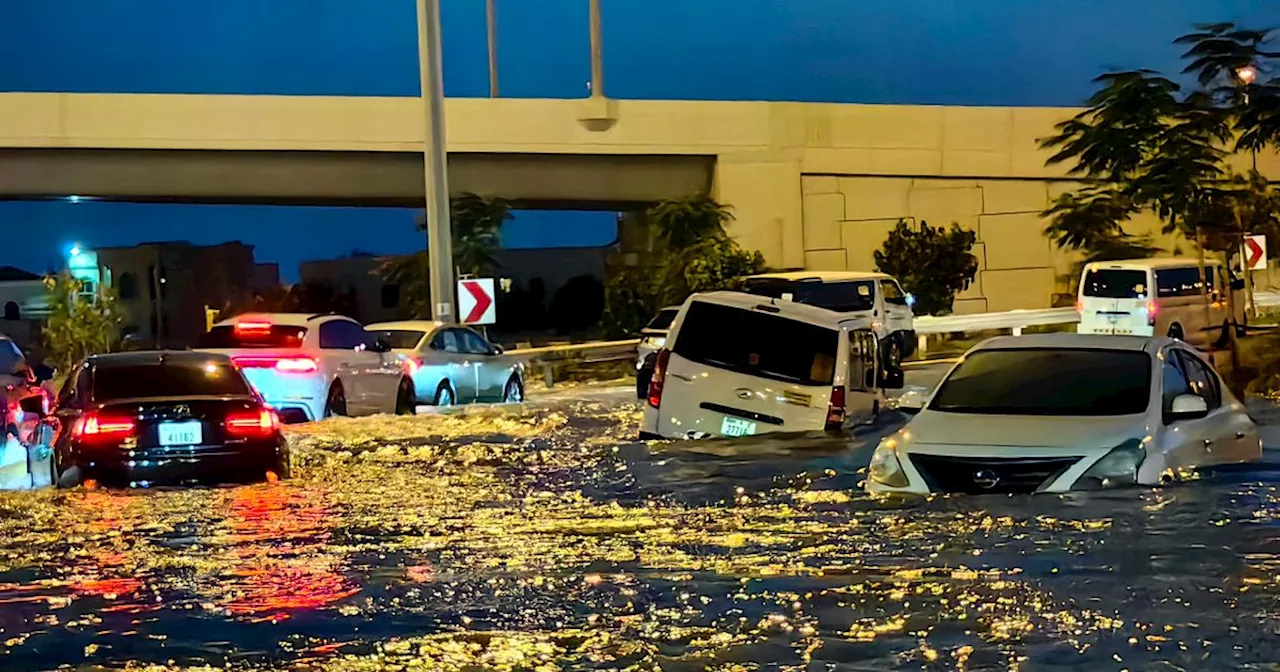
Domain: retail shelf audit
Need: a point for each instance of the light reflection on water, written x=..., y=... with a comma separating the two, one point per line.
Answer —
x=552, y=543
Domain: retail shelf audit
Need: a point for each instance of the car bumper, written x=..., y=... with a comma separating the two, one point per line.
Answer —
x=964, y=472
x=242, y=463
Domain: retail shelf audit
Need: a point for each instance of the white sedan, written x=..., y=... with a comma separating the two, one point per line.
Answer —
x=1058, y=412
x=452, y=364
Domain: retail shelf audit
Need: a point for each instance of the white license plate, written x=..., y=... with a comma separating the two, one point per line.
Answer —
x=737, y=427
x=181, y=433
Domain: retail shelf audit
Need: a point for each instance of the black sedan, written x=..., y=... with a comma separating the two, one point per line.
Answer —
x=150, y=418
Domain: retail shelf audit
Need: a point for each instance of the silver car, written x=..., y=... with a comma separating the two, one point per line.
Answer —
x=452, y=364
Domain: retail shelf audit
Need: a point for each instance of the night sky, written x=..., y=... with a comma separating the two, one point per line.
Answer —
x=962, y=52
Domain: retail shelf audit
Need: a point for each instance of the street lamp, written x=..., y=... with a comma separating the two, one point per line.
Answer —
x=434, y=157
x=1248, y=74
x=74, y=251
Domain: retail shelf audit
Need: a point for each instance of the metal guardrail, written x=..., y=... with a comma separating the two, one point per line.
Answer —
x=1013, y=319
x=551, y=357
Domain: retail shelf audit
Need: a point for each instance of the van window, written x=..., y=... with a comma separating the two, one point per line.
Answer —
x=1115, y=283
x=842, y=297
x=1182, y=281
x=758, y=344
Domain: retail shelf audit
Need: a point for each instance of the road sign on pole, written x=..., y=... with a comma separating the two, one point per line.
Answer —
x=475, y=301
x=1255, y=252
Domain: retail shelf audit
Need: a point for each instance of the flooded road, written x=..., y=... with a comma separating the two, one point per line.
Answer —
x=548, y=539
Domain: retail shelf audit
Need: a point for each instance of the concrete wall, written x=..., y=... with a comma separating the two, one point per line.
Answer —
x=811, y=185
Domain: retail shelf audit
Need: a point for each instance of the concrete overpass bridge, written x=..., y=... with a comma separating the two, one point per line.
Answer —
x=813, y=186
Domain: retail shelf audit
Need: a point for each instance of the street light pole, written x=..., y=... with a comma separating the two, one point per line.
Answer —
x=597, y=52
x=491, y=25
x=439, y=232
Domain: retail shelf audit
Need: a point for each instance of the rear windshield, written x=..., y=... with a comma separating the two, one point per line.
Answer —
x=663, y=320
x=278, y=336
x=401, y=339
x=190, y=378
x=758, y=344
x=1111, y=283
x=1048, y=382
x=1182, y=281
x=842, y=297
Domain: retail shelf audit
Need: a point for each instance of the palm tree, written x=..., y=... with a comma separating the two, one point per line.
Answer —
x=477, y=231
x=685, y=222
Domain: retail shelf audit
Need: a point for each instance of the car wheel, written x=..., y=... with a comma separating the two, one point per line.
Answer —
x=406, y=398
x=1225, y=339
x=643, y=378
x=336, y=405
x=513, y=393
x=444, y=395
x=63, y=478
x=1175, y=331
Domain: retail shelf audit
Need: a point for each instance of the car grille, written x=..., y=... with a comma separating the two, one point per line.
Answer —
x=982, y=475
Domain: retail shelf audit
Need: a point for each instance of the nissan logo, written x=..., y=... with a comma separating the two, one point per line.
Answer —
x=744, y=393
x=985, y=479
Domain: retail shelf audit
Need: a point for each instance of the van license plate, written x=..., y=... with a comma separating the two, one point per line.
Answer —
x=180, y=433
x=737, y=427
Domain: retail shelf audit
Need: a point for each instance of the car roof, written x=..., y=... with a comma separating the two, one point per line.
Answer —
x=285, y=319
x=822, y=276
x=1074, y=341
x=156, y=357
x=1153, y=263
x=789, y=309
x=406, y=325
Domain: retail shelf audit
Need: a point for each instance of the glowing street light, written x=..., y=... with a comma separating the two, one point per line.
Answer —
x=75, y=250
x=1248, y=74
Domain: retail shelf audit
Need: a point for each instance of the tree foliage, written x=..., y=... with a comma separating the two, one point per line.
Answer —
x=696, y=254
x=476, y=223
x=932, y=263
x=78, y=325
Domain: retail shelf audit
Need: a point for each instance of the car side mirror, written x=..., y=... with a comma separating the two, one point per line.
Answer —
x=45, y=373
x=892, y=378
x=1188, y=407
x=1237, y=284
x=497, y=349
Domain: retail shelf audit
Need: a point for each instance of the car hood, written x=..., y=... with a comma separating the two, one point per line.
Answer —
x=968, y=429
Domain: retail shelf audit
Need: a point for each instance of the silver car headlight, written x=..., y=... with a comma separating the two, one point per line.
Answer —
x=885, y=468
x=1118, y=467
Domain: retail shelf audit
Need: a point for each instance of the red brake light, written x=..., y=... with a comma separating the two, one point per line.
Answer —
x=412, y=364
x=1151, y=311
x=251, y=326
x=835, y=409
x=1079, y=305
x=261, y=422
x=281, y=364
x=658, y=378
x=94, y=426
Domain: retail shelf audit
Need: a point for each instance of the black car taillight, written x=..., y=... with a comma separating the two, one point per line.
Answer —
x=95, y=427
x=257, y=423
x=659, y=377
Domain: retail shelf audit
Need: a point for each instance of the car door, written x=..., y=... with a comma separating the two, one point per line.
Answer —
x=343, y=343
x=464, y=365
x=1185, y=442
x=382, y=379
x=862, y=401
x=897, y=312
x=491, y=374
x=1226, y=428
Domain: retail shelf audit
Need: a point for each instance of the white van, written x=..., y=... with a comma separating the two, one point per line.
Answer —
x=1158, y=297
x=876, y=296
x=737, y=364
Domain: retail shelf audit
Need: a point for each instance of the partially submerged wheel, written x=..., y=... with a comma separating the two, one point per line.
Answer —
x=513, y=393
x=444, y=395
x=336, y=405
x=406, y=398
x=1175, y=331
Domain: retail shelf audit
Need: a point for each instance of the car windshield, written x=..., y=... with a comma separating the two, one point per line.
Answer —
x=663, y=320
x=401, y=339
x=1111, y=283
x=758, y=344
x=275, y=336
x=842, y=297
x=170, y=379
x=1045, y=381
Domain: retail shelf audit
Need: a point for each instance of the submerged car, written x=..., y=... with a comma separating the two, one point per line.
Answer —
x=143, y=418
x=453, y=364
x=1058, y=412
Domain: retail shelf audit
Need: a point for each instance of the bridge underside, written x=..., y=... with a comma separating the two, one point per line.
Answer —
x=395, y=179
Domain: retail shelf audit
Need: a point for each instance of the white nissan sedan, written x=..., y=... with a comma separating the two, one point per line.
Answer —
x=1058, y=412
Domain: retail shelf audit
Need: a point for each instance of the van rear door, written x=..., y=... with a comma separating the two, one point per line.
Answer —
x=736, y=371
x=1116, y=300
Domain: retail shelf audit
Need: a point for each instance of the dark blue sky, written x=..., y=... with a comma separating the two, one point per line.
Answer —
x=970, y=52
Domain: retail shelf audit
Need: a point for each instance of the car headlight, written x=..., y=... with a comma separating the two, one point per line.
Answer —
x=885, y=468
x=1118, y=467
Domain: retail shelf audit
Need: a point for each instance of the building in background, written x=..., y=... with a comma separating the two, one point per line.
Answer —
x=545, y=270
x=165, y=287
x=25, y=305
